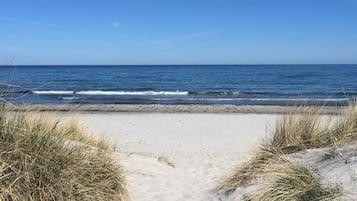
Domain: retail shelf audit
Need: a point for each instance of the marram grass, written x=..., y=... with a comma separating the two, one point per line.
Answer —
x=42, y=159
x=295, y=132
x=345, y=129
x=251, y=169
x=299, y=130
x=289, y=182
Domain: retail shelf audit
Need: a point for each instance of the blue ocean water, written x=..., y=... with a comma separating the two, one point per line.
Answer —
x=183, y=84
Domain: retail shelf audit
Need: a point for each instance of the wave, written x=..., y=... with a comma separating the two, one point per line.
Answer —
x=237, y=93
x=108, y=93
x=215, y=93
x=70, y=98
x=99, y=92
x=295, y=99
x=53, y=92
x=193, y=93
x=254, y=99
x=137, y=93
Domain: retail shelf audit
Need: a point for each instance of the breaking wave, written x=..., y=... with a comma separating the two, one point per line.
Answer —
x=115, y=93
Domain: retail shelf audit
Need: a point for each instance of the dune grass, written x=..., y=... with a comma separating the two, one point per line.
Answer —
x=299, y=130
x=249, y=170
x=288, y=182
x=296, y=131
x=44, y=159
x=345, y=129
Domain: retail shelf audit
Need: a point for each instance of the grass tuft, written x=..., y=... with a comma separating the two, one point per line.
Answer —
x=45, y=159
x=345, y=129
x=165, y=160
x=296, y=132
x=304, y=128
x=299, y=130
x=251, y=169
x=293, y=182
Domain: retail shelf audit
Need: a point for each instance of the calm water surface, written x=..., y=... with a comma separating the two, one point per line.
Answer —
x=204, y=84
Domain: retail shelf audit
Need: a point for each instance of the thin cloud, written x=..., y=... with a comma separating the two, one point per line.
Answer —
x=198, y=34
x=115, y=25
x=164, y=44
x=46, y=25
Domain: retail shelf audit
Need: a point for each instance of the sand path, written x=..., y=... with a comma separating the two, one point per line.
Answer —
x=179, y=157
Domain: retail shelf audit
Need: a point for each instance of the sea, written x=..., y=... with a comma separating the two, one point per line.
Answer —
x=330, y=85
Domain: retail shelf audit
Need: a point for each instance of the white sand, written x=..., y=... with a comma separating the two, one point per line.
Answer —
x=202, y=148
x=338, y=169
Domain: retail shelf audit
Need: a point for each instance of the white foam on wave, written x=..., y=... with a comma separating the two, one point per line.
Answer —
x=70, y=98
x=53, y=92
x=175, y=93
x=297, y=99
x=132, y=93
x=108, y=93
x=253, y=99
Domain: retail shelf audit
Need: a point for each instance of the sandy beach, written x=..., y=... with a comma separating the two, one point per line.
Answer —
x=178, y=153
x=178, y=100
x=180, y=156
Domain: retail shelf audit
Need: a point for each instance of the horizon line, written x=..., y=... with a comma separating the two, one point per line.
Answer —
x=174, y=64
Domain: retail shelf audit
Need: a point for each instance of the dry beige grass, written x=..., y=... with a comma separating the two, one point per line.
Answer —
x=249, y=170
x=301, y=129
x=288, y=182
x=44, y=159
x=296, y=131
x=345, y=129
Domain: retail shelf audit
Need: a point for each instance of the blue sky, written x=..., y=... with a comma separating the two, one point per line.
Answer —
x=178, y=32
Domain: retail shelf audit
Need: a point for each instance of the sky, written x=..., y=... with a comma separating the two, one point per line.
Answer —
x=119, y=32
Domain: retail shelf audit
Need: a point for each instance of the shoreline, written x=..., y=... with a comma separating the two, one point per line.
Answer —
x=153, y=108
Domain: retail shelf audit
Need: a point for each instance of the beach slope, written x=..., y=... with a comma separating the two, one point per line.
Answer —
x=180, y=156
